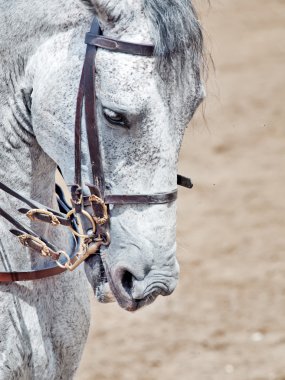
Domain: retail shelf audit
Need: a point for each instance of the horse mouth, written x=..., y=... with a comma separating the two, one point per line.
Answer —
x=106, y=288
x=123, y=297
x=96, y=275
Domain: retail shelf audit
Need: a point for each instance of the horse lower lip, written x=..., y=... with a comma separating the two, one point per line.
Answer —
x=94, y=270
x=157, y=289
x=104, y=293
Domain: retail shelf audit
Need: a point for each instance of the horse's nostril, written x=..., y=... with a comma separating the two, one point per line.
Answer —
x=127, y=281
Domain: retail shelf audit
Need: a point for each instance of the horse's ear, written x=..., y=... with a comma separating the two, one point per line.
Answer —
x=109, y=12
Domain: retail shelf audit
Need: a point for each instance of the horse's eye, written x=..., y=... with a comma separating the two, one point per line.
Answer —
x=115, y=118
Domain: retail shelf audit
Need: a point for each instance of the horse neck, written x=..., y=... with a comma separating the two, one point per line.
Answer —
x=28, y=170
x=24, y=165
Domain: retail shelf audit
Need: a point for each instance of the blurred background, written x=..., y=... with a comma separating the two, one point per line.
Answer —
x=226, y=320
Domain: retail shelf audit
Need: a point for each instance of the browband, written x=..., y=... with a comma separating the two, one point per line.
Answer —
x=119, y=46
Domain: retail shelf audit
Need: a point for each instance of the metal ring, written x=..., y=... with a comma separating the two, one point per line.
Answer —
x=107, y=240
x=88, y=216
x=68, y=263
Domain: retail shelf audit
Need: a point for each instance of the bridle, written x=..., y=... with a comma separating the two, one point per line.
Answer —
x=93, y=209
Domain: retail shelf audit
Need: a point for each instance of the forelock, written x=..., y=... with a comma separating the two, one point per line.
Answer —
x=177, y=36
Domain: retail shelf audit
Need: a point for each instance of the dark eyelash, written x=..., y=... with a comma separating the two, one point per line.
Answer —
x=123, y=122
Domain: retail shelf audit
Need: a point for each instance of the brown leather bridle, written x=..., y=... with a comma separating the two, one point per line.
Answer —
x=93, y=209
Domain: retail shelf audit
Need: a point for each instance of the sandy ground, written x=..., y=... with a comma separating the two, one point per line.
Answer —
x=226, y=319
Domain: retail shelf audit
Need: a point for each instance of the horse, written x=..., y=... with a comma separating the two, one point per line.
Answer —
x=143, y=105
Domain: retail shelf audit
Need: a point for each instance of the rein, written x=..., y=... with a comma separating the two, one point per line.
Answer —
x=93, y=209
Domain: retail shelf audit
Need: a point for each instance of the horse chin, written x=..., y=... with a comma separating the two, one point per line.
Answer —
x=96, y=276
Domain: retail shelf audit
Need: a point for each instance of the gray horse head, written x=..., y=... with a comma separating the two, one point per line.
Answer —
x=143, y=107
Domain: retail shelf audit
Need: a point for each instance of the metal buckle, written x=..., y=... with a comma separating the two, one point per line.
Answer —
x=106, y=239
x=67, y=264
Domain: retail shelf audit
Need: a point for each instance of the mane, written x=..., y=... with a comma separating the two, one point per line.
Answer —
x=178, y=37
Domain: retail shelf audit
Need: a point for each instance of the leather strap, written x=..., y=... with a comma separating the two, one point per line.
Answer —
x=35, y=274
x=18, y=225
x=111, y=44
x=21, y=228
x=87, y=91
x=159, y=198
x=77, y=131
x=45, y=218
x=184, y=181
x=91, y=123
x=31, y=275
x=27, y=201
